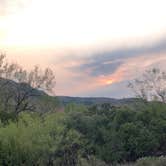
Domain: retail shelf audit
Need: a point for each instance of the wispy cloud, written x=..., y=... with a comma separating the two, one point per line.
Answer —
x=102, y=74
x=12, y=6
x=108, y=62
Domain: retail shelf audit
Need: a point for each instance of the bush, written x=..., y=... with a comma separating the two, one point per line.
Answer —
x=118, y=135
x=151, y=161
x=89, y=136
x=35, y=140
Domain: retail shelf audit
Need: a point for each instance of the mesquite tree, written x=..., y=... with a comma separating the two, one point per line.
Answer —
x=18, y=86
x=151, y=86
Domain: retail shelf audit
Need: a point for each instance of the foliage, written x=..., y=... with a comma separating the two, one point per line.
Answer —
x=97, y=135
x=121, y=134
x=151, y=161
x=33, y=140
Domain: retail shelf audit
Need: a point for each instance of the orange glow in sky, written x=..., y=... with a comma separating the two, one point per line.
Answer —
x=110, y=81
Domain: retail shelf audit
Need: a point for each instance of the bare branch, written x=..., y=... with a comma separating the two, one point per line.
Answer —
x=151, y=86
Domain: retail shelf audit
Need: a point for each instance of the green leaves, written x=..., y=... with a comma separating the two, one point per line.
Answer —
x=99, y=134
x=29, y=140
x=121, y=134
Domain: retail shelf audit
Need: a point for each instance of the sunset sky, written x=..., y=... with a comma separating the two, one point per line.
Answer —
x=94, y=46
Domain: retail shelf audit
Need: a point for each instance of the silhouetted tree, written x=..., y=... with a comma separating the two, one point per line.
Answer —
x=151, y=86
x=18, y=86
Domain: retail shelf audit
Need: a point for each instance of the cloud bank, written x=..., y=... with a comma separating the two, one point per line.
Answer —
x=107, y=73
x=108, y=62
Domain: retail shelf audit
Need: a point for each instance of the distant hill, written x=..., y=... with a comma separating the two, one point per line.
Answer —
x=39, y=99
x=43, y=102
x=95, y=100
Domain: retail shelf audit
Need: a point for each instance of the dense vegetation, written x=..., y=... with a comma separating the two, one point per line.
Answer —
x=98, y=135
x=122, y=134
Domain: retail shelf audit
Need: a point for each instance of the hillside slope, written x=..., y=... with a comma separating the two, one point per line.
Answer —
x=41, y=101
x=95, y=100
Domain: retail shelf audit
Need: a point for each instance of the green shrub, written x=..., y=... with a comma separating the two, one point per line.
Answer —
x=151, y=161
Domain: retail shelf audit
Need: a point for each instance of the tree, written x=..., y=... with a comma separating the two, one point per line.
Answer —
x=18, y=86
x=151, y=86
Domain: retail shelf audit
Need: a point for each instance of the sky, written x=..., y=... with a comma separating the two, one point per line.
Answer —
x=95, y=47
